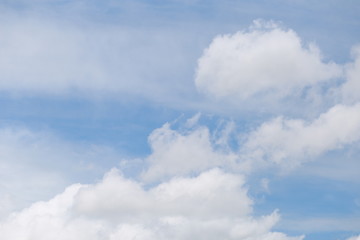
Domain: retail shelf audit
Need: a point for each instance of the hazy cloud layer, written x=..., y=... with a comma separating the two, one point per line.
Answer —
x=42, y=55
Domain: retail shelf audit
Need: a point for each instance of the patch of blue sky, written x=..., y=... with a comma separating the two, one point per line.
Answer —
x=121, y=125
x=320, y=199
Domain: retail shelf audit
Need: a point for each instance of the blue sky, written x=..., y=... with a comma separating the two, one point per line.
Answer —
x=180, y=119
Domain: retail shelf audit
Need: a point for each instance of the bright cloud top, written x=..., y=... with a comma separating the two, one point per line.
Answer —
x=266, y=60
x=213, y=205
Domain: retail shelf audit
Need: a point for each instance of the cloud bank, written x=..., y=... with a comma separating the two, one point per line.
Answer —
x=201, y=193
x=212, y=205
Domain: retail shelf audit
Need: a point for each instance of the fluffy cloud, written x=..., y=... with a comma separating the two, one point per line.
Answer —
x=288, y=142
x=183, y=152
x=212, y=205
x=266, y=60
x=282, y=142
x=208, y=203
x=212, y=194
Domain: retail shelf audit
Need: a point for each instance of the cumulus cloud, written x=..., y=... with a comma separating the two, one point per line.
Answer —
x=281, y=142
x=289, y=142
x=212, y=205
x=195, y=189
x=177, y=153
x=209, y=203
x=212, y=194
x=266, y=60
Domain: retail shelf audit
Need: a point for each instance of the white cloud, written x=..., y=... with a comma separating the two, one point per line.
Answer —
x=212, y=194
x=178, y=153
x=208, y=203
x=213, y=205
x=265, y=61
x=288, y=142
x=282, y=142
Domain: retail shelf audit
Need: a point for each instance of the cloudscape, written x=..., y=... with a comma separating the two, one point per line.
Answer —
x=194, y=119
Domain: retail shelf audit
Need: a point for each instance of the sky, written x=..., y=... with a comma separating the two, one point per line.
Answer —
x=180, y=119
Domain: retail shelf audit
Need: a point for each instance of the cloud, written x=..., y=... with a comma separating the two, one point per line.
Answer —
x=265, y=61
x=212, y=194
x=45, y=55
x=281, y=142
x=192, y=186
x=289, y=142
x=41, y=56
x=182, y=152
x=212, y=205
